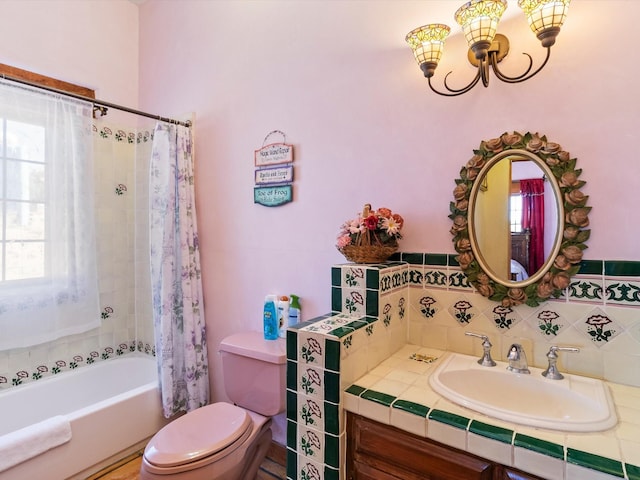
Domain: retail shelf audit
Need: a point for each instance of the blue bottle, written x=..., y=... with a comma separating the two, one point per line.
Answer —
x=270, y=318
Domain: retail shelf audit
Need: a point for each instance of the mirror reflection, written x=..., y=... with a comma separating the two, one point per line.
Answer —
x=516, y=218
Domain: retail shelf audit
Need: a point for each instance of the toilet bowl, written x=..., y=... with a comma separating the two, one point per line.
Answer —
x=225, y=441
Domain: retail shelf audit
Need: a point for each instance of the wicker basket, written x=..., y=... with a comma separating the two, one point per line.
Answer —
x=368, y=253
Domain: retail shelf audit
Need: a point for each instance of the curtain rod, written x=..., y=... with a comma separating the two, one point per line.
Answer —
x=96, y=102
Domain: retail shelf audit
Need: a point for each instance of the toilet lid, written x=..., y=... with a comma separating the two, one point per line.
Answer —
x=198, y=434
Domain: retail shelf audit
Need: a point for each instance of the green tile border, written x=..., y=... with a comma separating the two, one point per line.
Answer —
x=500, y=434
x=591, y=267
x=539, y=446
x=457, y=421
x=436, y=259
x=621, y=268
x=378, y=397
x=356, y=390
x=411, y=407
x=595, y=462
x=633, y=471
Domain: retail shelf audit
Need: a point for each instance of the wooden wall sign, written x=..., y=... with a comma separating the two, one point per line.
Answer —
x=272, y=196
x=265, y=176
x=274, y=172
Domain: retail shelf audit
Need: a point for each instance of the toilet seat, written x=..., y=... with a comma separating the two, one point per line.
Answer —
x=202, y=436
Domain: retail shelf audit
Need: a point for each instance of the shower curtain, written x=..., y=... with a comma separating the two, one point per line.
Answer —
x=176, y=286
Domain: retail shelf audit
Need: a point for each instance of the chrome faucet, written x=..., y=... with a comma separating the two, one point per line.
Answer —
x=485, y=360
x=552, y=370
x=517, y=359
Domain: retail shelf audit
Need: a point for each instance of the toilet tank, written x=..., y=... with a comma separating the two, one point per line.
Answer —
x=254, y=371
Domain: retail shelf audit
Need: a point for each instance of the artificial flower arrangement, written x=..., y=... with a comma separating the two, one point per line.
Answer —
x=371, y=237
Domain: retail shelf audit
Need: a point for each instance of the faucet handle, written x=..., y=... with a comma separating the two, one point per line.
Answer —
x=552, y=370
x=486, y=360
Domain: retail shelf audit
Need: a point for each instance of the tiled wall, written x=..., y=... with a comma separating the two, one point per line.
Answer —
x=121, y=184
x=424, y=299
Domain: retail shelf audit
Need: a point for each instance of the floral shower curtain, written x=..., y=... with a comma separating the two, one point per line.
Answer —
x=176, y=286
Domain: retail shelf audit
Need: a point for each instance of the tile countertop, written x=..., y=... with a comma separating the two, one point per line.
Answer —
x=397, y=393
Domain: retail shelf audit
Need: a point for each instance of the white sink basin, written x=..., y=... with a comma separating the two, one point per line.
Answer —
x=574, y=404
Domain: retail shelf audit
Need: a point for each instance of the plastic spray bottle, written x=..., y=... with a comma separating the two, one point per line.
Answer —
x=294, y=310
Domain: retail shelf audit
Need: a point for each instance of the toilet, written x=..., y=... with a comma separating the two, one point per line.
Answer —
x=225, y=441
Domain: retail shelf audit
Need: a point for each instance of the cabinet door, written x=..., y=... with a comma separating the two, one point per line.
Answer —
x=508, y=473
x=373, y=447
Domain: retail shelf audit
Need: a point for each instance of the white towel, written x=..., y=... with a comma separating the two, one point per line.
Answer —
x=31, y=441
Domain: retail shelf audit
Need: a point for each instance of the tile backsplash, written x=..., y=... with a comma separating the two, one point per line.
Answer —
x=425, y=300
x=121, y=199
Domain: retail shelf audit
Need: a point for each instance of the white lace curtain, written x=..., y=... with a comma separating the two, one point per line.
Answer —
x=48, y=282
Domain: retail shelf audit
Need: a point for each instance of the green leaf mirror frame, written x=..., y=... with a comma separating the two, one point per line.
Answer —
x=573, y=218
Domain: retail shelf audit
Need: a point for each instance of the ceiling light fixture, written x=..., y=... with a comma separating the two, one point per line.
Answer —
x=479, y=21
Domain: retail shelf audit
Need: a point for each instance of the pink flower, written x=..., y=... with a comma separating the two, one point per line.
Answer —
x=344, y=240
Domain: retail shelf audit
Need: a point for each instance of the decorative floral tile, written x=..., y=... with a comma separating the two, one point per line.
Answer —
x=599, y=327
x=311, y=444
x=463, y=311
x=623, y=291
x=427, y=305
x=457, y=280
x=311, y=349
x=585, y=288
x=311, y=382
x=394, y=278
x=435, y=277
x=503, y=318
x=548, y=321
x=415, y=275
x=353, y=276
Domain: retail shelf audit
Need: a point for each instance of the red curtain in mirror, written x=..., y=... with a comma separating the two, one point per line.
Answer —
x=532, y=191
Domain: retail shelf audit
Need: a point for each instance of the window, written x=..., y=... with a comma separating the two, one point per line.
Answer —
x=22, y=195
x=515, y=212
x=48, y=280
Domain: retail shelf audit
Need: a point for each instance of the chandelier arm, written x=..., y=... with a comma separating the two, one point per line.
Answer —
x=454, y=92
x=483, y=68
x=522, y=77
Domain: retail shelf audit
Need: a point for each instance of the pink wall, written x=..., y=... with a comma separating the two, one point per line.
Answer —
x=339, y=80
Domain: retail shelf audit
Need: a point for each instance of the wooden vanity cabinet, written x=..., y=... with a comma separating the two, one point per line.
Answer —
x=382, y=452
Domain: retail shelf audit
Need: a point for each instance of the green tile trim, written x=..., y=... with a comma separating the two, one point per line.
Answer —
x=332, y=450
x=440, y=259
x=332, y=386
x=451, y=419
x=621, y=268
x=331, y=418
x=332, y=355
x=633, y=472
x=336, y=276
x=292, y=463
x=292, y=345
x=500, y=434
x=336, y=299
x=341, y=332
x=357, y=324
x=452, y=261
x=378, y=397
x=591, y=267
x=411, y=407
x=539, y=446
x=330, y=473
x=355, y=390
x=372, y=279
x=595, y=462
x=413, y=258
x=292, y=375
x=292, y=434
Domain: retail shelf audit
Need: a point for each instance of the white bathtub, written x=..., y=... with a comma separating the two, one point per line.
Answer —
x=113, y=408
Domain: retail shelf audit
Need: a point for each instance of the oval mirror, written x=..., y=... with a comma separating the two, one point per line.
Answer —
x=519, y=219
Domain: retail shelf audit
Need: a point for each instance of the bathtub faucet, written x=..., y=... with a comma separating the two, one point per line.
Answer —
x=517, y=359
